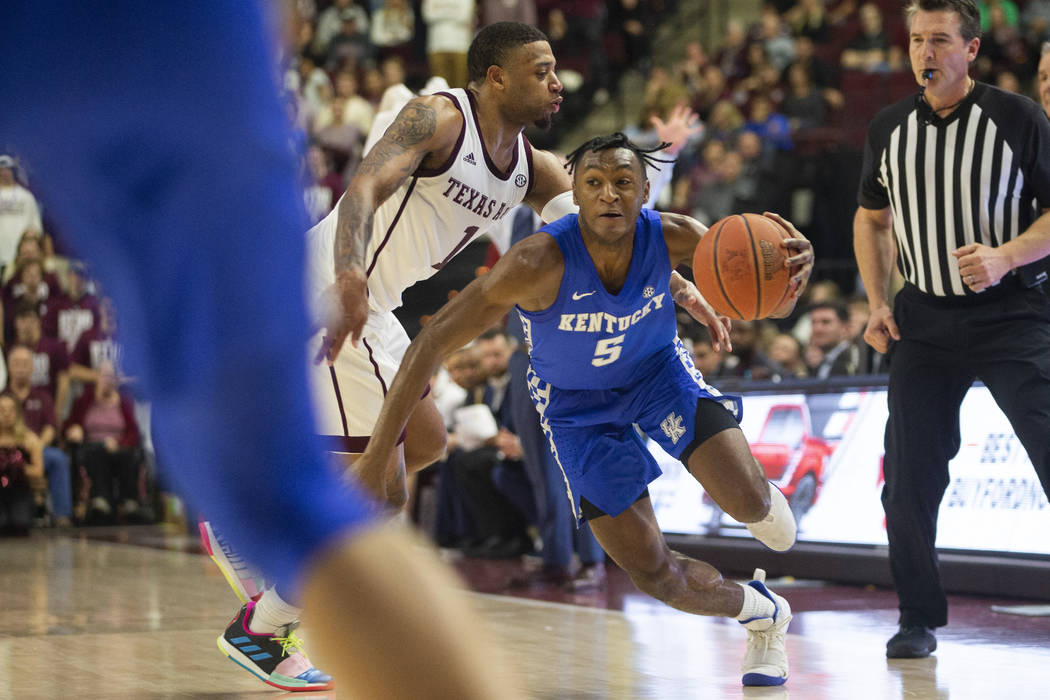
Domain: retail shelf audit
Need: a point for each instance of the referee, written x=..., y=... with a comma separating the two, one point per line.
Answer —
x=955, y=188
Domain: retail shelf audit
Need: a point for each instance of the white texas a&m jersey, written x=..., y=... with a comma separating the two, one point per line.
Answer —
x=430, y=218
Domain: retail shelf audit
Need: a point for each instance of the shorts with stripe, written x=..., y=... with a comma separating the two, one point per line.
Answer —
x=592, y=432
x=348, y=395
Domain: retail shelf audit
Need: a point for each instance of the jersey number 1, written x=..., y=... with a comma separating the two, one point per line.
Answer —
x=607, y=351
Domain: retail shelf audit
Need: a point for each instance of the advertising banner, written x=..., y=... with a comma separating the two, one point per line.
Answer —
x=825, y=453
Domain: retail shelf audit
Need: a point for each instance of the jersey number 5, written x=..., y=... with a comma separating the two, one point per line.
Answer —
x=607, y=351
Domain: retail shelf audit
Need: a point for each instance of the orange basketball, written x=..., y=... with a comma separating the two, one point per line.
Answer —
x=739, y=266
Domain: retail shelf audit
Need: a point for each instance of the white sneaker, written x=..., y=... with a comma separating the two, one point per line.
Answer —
x=766, y=662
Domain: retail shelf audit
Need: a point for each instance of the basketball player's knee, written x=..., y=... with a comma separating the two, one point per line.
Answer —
x=754, y=505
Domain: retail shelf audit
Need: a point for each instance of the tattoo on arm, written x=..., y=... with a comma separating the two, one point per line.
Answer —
x=414, y=124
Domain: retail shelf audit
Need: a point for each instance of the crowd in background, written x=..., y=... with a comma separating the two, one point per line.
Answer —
x=783, y=101
x=70, y=444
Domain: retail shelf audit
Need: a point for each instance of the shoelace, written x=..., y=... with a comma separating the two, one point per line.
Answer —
x=291, y=641
x=754, y=638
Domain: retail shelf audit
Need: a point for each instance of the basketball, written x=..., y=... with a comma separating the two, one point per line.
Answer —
x=739, y=267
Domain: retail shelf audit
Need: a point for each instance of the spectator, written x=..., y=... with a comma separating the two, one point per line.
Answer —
x=449, y=30
x=804, y=105
x=346, y=87
x=70, y=314
x=479, y=470
x=1035, y=21
x=714, y=89
x=829, y=334
x=38, y=412
x=453, y=525
x=821, y=74
x=771, y=126
x=340, y=136
x=1011, y=14
x=523, y=11
x=1043, y=79
x=323, y=187
x=31, y=246
x=21, y=469
x=731, y=58
x=351, y=46
x=19, y=211
x=96, y=347
x=786, y=353
x=747, y=360
x=690, y=71
x=26, y=288
x=50, y=358
x=330, y=22
x=102, y=425
x=1003, y=47
x=708, y=360
x=630, y=18
x=777, y=42
x=392, y=69
x=809, y=19
x=718, y=199
x=393, y=28
x=871, y=50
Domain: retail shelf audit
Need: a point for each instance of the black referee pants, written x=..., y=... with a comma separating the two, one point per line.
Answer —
x=1003, y=340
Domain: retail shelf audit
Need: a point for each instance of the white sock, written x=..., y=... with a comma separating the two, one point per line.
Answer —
x=756, y=605
x=778, y=529
x=272, y=613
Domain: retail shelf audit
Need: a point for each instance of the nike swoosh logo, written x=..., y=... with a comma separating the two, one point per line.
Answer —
x=576, y=296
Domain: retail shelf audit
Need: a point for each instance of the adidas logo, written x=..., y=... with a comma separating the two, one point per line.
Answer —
x=469, y=158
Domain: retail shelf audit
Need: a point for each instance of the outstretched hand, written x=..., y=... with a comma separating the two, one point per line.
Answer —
x=689, y=298
x=349, y=297
x=682, y=125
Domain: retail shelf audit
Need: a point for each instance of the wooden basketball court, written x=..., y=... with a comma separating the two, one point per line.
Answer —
x=86, y=617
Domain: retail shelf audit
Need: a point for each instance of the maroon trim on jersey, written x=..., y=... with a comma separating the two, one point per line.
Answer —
x=342, y=443
x=427, y=172
x=354, y=445
x=375, y=366
x=528, y=159
x=484, y=149
x=339, y=399
x=390, y=230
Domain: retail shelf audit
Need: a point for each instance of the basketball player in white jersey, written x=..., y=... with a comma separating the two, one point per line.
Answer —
x=450, y=166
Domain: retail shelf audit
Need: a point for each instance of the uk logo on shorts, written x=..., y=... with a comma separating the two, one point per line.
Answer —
x=648, y=292
x=672, y=427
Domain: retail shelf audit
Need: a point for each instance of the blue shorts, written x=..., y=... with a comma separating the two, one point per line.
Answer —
x=592, y=431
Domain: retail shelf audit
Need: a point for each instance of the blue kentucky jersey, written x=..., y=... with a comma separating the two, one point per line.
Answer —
x=592, y=339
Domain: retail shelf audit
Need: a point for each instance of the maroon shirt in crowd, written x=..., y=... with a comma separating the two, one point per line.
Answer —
x=66, y=318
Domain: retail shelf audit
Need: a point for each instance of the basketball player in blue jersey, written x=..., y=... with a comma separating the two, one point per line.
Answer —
x=166, y=162
x=594, y=292
x=448, y=168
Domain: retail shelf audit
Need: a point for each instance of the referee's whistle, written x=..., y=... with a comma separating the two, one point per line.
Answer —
x=927, y=74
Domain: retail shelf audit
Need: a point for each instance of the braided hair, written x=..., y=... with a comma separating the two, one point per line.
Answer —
x=617, y=140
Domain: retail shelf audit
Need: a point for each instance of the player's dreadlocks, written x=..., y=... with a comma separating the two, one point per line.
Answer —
x=617, y=140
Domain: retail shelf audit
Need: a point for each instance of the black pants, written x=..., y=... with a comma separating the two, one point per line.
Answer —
x=492, y=512
x=114, y=475
x=16, y=508
x=1003, y=339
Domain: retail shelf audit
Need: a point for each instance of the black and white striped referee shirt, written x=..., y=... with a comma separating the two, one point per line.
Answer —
x=979, y=175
